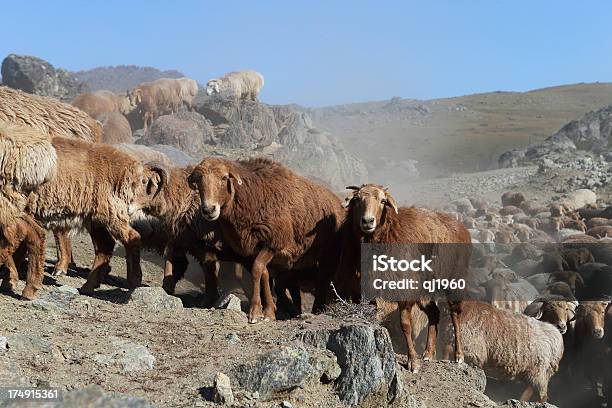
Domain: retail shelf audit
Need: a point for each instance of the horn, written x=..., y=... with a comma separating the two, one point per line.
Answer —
x=163, y=173
x=353, y=188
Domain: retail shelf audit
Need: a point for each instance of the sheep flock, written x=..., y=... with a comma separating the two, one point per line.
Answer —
x=539, y=280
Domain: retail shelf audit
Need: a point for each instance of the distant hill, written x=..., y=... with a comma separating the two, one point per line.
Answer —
x=122, y=77
x=459, y=134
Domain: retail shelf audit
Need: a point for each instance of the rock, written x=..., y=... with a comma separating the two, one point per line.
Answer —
x=187, y=131
x=58, y=299
x=229, y=302
x=285, y=368
x=154, y=299
x=176, y=157
x=29, y=343
x=240, y=124
x=127, y=355
x=37, y=76
x=366, y=357
x=3, y=343
x=286, y=404
x=222, y=393
x=11, y=374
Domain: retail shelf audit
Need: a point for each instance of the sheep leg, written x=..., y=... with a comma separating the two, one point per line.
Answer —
x=259, y=273
x=34, y=237
x=9, y=282
x=169, y=283
x=455, y=312
x=406, y=322
x=64, y=251
x=104, y=245
x=130, y=238
x=433, y=318
x=527, y=394
x=210, y=266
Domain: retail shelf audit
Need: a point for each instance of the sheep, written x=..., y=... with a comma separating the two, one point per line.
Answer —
x=98, y=187
x=574, y=201
x=27, y=160
x=601, y=231
x=177, y=208
x=510, y=345
x=512, y=198
x=115, y=128
x=47, y=115
x=238, y=85
x=270, y=215
x=598, y=221
x=102, y=102
x=162, y=96
x=505, y=290
x=374, y=217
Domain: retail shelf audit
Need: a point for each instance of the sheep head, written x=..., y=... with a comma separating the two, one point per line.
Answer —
x=212, y=87
x=153, y=179
x=369, y=205
x=134, y=97
x=216, y=180
x=590, y=317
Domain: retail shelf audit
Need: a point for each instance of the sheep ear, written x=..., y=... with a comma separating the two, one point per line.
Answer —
x=390, y=201
x=191, y=182
x=236, y=177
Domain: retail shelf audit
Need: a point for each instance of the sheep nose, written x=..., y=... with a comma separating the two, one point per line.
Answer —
x=367, y=220
x=562, y=327
x=209, y=209
x=598, y=333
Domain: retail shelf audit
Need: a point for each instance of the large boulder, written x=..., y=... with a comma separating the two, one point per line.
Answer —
x=367, y=360
x=188, y=131
x=37, y=76
x=240, y=124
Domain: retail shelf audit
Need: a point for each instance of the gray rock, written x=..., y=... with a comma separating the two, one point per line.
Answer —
x=127, y=355
x=154, y=299
x=285, y=368
x=229, y=302
x=366, y=357
x=57, y=299
x=3, y=343
x=29, y=343
x=222, y=393
x=11, y=374
x=286, y=404
x=37, y=76
x=176, y=156
x=240, y=124
x=120, y=78
x=187, y=131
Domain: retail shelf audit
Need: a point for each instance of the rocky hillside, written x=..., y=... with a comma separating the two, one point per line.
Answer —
x=240, y=129
x=454, y=135
x=122, y=77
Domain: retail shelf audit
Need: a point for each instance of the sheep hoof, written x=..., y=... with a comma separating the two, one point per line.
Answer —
x=28, y=293
x=414, y=366
x=459, y=359
x=86, y=290
x=427, y=357
x=59, y=272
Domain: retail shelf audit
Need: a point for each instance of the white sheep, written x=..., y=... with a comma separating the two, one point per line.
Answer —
x=239, y=85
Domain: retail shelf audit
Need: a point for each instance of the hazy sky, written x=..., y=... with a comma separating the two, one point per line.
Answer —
x=329, y=52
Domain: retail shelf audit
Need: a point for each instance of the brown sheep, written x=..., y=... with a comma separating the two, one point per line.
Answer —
x=598, y=221
x=162, y=96
x=47, y=115
x=512, y=198
x=374, y=217
x=270, y=215
x=115, y=128
x=102, y=102
x=509, y=210
x=28, y=160
x=601, y=231
x=98, y=187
